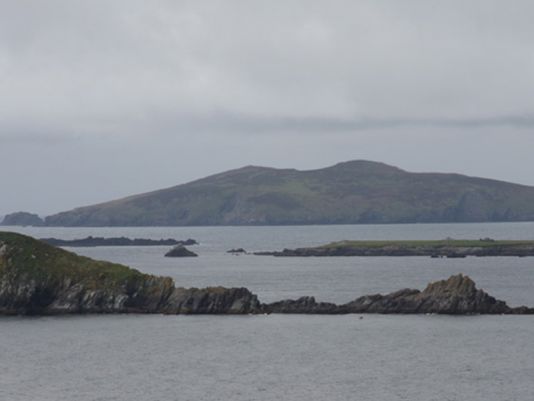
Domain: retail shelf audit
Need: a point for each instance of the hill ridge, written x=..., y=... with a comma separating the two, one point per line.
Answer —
x=350, y=192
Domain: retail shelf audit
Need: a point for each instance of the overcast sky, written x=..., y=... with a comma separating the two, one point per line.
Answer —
x=103, y=99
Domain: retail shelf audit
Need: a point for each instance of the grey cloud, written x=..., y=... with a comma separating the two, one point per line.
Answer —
x=100, y=85
x=80, y=65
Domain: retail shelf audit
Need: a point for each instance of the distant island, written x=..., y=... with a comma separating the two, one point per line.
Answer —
x=354, y=192
x=91, y=241
x=39, y=279
x=448, y=248
x=23, y=219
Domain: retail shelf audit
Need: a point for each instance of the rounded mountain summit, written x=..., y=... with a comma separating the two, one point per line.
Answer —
x=347, y=193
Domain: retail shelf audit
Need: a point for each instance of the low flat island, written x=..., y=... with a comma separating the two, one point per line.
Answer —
x=450, y=248
x=91, y=241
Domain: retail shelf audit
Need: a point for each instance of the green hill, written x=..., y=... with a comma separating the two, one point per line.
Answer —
x=350, y=192
x=37, y=278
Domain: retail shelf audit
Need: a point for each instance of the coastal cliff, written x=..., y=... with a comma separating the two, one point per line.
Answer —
x=39, y=279
x=36, y=278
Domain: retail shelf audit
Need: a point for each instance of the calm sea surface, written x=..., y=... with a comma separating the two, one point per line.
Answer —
x=135, y=357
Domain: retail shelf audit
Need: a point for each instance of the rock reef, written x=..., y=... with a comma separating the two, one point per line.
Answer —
x=91, y=241
x=36, y=278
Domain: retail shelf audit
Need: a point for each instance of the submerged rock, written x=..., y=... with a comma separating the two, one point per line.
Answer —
x=180, y=251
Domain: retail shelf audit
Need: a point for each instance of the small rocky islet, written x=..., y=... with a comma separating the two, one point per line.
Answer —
x=180, y=251
x=39, y=279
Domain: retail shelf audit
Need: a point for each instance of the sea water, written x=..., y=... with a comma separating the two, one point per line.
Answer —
x=279, y=357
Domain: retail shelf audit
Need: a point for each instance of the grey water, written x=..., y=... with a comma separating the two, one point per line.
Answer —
x=137, y=357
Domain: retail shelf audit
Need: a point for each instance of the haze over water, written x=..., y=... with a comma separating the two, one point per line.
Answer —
x=283, y=357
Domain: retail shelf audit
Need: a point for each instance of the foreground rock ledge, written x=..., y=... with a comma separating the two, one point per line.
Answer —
x=36, y=278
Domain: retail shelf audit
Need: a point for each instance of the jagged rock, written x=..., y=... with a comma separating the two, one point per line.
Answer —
x=212, y=300
x=305, y=305
x=457, y=295
x=180, y=251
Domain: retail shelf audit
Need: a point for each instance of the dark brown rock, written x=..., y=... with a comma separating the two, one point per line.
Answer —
x=212, y=300
x=180, y=251
x=304, y=305
x=457, y=295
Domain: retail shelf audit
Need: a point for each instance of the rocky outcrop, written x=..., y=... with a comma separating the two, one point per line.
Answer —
x=236, y=251
x=91, y=241
x=22, y=219
x=457, y=295
x=212, y=300
x=36, y=278
x=180, y=251
x=304, y=305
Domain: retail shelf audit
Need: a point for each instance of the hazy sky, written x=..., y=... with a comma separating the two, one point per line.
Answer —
x=103, y=99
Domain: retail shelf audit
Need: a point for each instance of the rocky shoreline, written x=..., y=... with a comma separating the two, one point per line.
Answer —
x=457, y=295
x=38, y=279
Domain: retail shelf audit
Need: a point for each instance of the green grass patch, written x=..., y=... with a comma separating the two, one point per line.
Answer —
x=447, y=243
x=23, y=255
